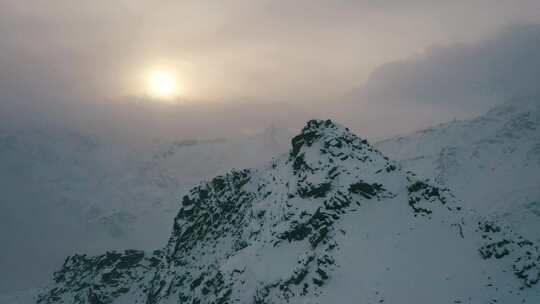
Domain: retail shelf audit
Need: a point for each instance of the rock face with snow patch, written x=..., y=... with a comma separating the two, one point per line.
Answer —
x=332, y=221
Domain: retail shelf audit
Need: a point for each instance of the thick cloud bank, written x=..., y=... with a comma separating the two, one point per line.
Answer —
x=470, y=77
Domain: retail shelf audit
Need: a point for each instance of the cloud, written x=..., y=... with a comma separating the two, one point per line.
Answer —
x=56, y=58
x=467, y=77
x=296, y=51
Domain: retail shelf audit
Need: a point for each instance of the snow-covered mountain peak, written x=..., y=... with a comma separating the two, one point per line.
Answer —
x=332, y=221
x=327, y=157
x=323, y=142
x=320, y=130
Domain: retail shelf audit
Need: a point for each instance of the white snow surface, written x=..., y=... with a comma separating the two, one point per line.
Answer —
x=492, y=162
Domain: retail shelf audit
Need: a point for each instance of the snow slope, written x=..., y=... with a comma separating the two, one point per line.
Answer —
x=492, y=162
x=332, y=221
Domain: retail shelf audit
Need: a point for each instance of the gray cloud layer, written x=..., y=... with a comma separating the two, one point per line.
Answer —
x=297, y=51
x=445, y=82
x=260, y=59
x=470, y=76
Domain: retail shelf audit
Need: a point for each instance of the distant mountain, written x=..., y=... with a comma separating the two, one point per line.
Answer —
x=492, y=162
x=331, y=221
x=69, y=190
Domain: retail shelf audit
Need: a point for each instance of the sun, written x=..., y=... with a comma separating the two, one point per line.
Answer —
x=162, y=84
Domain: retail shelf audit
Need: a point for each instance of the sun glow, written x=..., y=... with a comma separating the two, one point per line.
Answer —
x=162, y=84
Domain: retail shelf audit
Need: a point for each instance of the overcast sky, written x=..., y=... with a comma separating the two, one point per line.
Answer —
x=300, y=58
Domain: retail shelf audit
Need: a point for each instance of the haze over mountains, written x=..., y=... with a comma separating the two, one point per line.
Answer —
x=93, y=193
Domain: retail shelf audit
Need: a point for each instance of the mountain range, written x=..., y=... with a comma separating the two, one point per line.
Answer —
x=331, y=221
x=456, y=206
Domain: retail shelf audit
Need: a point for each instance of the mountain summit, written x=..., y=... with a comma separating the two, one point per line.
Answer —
x=332, y=221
